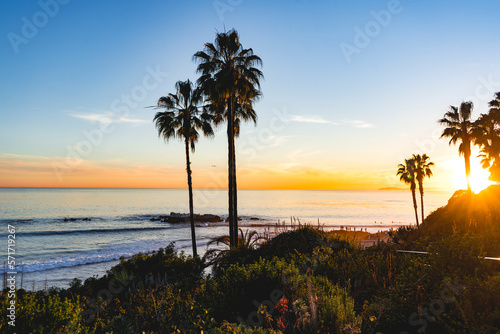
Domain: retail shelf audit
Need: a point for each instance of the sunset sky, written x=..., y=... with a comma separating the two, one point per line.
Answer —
x=351, y=89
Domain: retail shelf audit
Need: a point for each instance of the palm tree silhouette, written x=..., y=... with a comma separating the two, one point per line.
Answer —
x=423, y=169
x=459, y=128
x=183, y=118
x=230, y=80
x=407, y=173
x=487, y=131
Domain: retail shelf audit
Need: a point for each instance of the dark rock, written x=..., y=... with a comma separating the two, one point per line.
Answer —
x=227, y=219
x=175, y=218
x=76, y=219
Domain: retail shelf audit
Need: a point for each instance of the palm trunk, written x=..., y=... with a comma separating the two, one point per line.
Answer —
x=421, y=189
x=230, y=136
x=235, y=188
x=191, y=210
x=235, y=197
x=414, y=203
x=467, y=153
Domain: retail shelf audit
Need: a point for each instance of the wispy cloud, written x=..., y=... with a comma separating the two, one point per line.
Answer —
x=275, y=140
x=359, y=124
x=107, y=117
x=311, y=119
x=320, y=120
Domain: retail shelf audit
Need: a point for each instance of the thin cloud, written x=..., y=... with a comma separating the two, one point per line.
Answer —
x=108, y=118
x=320, y=120
x=275, y=140
x=311, y=119
x=359, y=124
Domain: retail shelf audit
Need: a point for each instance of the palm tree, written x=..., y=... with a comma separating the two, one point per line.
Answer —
x=487, y=132
x=459, y=128
x=423, y=169
x=183, y=119
x=407, y=173
x=230, y=80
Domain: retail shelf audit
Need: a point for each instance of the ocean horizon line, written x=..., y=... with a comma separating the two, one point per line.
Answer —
x=437, y=190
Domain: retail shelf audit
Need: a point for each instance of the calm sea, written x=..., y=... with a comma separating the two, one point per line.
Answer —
x=51, y=249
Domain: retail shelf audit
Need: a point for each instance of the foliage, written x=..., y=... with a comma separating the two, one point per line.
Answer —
x=37, y=313
x=237, y=291
x=303, y=240
x=245, y=252
x=164, y=309
x=476, y=214
x=232, y=328
x=301, y=281
x=487, y=133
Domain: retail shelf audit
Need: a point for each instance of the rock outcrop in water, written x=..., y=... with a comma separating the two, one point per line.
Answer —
x=175, y=218
x=77, y=219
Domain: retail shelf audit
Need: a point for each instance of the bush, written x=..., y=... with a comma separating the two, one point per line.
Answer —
x=303, y=240
x=237, y=292
x=229, y=328
x=36, y=313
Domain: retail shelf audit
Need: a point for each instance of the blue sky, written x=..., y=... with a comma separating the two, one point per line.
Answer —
x=346, y=121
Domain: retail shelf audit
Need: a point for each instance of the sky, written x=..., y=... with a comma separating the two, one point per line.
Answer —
x=350, y=89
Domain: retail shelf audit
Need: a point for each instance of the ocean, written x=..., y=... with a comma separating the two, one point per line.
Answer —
x=61, y=234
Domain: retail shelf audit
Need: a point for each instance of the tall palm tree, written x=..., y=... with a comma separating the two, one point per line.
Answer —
x=407, y=173
x=230, y=80
x=183, y=118
x=487, y=132
x=422, y=169
x=459, y=128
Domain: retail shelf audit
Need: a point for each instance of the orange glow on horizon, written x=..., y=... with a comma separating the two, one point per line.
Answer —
x=38, y=172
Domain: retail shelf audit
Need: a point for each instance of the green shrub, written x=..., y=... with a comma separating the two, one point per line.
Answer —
x=302, y=241
x=236, y=293
x=36, y=313
x=164, y=309
x=231, y=328
x=335, y=308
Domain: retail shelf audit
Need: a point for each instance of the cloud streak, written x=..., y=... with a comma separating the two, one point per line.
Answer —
x=359, y=124
x=107, y=118
x=320, y=120
x=311, y=119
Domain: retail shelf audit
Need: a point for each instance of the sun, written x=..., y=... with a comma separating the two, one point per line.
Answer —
x=478, y=178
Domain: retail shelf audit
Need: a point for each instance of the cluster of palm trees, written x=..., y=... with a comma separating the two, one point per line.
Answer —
x=484, y=132
x=462, y=130
x=228, y=87
x=413, y=172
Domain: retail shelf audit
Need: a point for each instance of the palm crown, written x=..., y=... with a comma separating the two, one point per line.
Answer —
x=487, y=130
x=184, y=117
x=407, y=172
x=422, y=167
x=458, y=125
x=229, y=78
